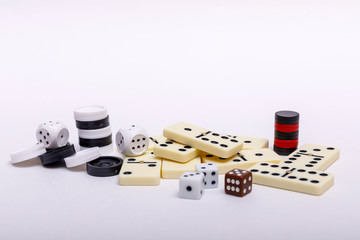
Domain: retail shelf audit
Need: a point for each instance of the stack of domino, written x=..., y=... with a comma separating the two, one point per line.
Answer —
x=286, y=132
x=94, y=128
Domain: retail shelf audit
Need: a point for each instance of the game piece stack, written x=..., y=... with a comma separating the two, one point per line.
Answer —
x=286, y=132
x=94, y=128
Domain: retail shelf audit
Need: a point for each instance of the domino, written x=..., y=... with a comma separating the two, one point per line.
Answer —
x=205, y=140
x=155, y=140
x=313, y=157
x=242, y=160
x=174, y=151
x=173, y=170
x=291, y=178
x=252, y=142
x=144, y=170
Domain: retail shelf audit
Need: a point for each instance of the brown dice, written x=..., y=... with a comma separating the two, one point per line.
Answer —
x=238, y=182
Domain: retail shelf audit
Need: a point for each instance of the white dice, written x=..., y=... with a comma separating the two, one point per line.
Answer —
x=53, y=134
x=132, y=141
x=211, y=174
x=191, y=185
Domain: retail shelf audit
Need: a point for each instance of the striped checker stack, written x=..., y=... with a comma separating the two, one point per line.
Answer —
x=286, y=132
x=94, y=128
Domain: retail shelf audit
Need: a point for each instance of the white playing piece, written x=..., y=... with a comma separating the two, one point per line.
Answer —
x=53, y=134
x=82, y=157
x=312, y=156
x=242, y=160
x=28, y=153
x=203, y=139
x=253, y=142
x=173, y=170
x=191, y=185
x=172, y=150
x=96, y=133
x=142, y=170
x=211, y=175
x=290, y=178
x=90, y=113
x=132, y=141
x=155, y=140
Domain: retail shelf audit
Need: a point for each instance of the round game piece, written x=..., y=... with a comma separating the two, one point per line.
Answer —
x=92, y=125
x=57, y=154
x=94, y=134
x=28, y=153
x=82, y=157
x=286, y=136
x=90, y=113
x=286, y=127
x=104, y=166
x=284, y=151
x=287, y=117
x=286, y=143
x=98, y=142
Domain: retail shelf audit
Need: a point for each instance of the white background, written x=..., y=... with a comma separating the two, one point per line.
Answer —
x=224, y=65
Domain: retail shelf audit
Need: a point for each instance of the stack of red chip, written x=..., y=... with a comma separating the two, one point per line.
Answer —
x=286, y=132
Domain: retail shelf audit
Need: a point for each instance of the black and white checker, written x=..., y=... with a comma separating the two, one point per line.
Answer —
x=94, y=128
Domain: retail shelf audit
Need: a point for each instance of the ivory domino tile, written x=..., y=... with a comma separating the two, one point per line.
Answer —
x=173, y=170
x=174, y=151
x=314, y=157
x=144, y=170
x=291, y=178
x=203, y=139
x=242, y=160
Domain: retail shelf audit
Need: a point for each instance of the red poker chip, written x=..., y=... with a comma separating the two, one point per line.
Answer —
x=286, y=143
x=286, y=127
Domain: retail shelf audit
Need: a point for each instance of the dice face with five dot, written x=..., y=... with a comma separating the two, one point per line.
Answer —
x=53, y=134
x=238, y=182
x=211, y=176
x=132, y=141
x=191, y=185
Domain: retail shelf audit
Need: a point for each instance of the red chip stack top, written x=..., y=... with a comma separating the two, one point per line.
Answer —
x=286, y=132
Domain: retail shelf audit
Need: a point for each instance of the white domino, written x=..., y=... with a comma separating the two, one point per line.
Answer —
x=242, y=160
x=290, y=178
x=253, y=142
x=173, y=170
x=205, y=140
x=172, y=150
x=311, y=156
x=144, y=170
x=155, y=140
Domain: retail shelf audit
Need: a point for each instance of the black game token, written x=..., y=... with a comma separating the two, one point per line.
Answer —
x=287, y=117
x=93, y=125
x=57, y=154
x=99, y=142
x=284, y=151
x=286, y=136
x=104, y=166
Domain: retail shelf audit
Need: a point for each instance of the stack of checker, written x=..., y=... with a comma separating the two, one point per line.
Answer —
x=286, y=132
x=94, y=128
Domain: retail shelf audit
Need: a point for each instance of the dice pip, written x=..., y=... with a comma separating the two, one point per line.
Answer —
x=238, y=182
x=191, y=185
x=211, y=176
x=53, y=134
x=132, y=141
